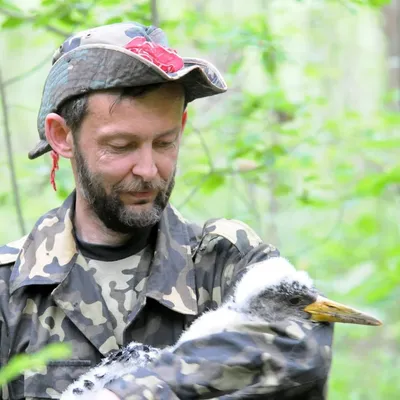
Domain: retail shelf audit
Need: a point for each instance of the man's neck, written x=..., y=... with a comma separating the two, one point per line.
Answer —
x=90, y=229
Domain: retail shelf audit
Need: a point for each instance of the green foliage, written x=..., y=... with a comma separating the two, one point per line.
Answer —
x=304, y=154
x=66, y=16
x=368, y=3
x=22, y=362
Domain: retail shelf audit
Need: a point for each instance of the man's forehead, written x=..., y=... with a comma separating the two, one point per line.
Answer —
x=106, y=117
x=166, y=94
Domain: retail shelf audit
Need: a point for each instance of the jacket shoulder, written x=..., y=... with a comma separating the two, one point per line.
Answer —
x=236, y=232
x=9, y=252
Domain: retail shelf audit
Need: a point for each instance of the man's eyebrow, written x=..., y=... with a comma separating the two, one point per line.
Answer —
x=129, y=135
x=175, y=130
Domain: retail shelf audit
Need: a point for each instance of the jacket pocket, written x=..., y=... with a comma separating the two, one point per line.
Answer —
x=51, y=381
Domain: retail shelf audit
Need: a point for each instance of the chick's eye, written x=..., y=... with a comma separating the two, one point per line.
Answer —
x=294, y=300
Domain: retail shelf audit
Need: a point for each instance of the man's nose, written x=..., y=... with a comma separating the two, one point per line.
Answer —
x=145, y=166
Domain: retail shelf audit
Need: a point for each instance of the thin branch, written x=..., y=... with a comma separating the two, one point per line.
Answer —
x=325, y=239
x=205, y=148
x=251, y=204
x=86, y=11
x=7, y=136
x=193, y=191
x=22, y=107
x=155, y=20
x=273, y=204
x=232, y=171
x=391, y=14
x=27, y=73
x=28, y=18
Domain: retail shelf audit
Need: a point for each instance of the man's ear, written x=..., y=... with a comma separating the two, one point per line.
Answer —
x=59, y=135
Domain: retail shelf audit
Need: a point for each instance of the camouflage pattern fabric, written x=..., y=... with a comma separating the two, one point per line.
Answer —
x=266, y=361
x=120, y=283
x=47, y=295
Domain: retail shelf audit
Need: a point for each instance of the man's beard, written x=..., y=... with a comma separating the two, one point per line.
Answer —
x=114, y=214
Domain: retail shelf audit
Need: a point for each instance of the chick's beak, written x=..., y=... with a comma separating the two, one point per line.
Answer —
x=325, y=310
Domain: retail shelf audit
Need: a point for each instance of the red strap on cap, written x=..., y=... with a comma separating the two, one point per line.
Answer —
x=55, y=157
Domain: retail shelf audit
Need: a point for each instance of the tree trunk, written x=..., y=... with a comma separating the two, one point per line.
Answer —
x=391, y=14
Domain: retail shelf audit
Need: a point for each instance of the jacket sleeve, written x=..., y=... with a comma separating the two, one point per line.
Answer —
x=268, y=361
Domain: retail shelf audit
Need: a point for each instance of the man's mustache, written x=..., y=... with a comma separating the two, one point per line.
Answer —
x=141, y=186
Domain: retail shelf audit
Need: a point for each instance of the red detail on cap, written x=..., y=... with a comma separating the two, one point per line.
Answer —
x=164, y=57
x=184, y=119
x=54, y=168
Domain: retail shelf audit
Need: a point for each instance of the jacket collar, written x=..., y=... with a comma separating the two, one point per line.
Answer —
x=172, y=278
x=50, y=250
x=50, y=253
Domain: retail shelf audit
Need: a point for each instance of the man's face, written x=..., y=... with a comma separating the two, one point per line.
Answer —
x=125, y=156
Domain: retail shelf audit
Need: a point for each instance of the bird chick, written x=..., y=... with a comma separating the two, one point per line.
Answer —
x=273, y=291
x=269, y=291
x=115, y=365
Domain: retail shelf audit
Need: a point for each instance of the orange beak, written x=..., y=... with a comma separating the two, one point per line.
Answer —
x=325, y=310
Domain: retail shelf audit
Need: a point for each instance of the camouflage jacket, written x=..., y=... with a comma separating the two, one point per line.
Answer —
x=47, y=296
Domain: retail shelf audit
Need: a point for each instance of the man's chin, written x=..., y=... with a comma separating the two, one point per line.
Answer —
x=140, y=216
x=141, y=210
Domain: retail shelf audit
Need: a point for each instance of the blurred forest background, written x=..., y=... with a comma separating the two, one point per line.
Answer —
x=304, y=147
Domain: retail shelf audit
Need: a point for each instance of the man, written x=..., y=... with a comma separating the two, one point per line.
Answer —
x=116, y=262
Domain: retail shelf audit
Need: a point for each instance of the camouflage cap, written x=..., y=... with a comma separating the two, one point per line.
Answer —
x=97, y=59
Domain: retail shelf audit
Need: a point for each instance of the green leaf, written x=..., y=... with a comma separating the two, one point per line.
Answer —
x=113, y=20
x=9, y=5
x=12, y=22
x=235, y=66
x=46, y=3
x=389, y=143
x=374, y=185
x=306, y=199
x=283, y=189
x=213, y=182
x=105, y=2
x=22, y=362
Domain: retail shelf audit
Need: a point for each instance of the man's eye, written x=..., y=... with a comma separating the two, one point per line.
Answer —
x=117, y=149
x=164, y=144
x=120, y=147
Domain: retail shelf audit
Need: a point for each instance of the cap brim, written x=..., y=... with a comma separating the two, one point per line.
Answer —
x=98, y=67
x=41, y=148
